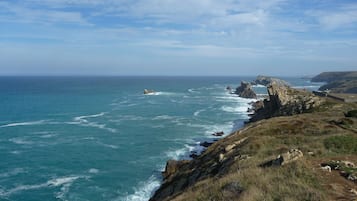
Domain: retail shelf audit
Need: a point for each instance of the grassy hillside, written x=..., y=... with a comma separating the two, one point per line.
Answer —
x=233, y=168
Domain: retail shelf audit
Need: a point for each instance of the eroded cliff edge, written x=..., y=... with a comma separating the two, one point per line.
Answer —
x=278, y=156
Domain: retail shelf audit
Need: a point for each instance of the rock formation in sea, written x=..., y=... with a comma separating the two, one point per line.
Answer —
x=266, y=80
x=245, y=90
x=278, y=158
x=149, y=91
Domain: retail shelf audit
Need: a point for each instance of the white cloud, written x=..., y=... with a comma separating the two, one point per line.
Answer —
x=17, y=13
x=340, y=16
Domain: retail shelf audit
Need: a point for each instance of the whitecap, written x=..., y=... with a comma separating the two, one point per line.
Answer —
x=29, y=123
x=89, y=116
x=108, y=145
x=162, y=93
x=20, y=140
x=258, y=86
x=13, y=172
x=163, y=117
x=212, y=128
x=15, y=152
x=62, y=180
x=238, y=109
x=198, y=112
x=82, y=120
x=93, y=171
x=144, y=190
x=51, y=183
x=177, y=154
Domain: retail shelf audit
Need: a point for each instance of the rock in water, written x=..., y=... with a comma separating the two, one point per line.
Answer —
x=148, y=91
x=245, y=90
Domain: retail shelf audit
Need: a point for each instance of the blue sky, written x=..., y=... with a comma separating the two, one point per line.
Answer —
x=173, y=37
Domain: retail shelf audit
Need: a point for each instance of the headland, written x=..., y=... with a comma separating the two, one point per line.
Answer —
x=296, y=146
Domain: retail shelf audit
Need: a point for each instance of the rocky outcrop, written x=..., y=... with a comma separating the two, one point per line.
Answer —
x=172, y=166
x=265, y=80
x=285, y=158
x=284, y=101
x=245, y=90
x=347, y=169
x=149, y=91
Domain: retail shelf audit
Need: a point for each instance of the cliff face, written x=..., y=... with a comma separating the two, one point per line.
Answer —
x=273, y=159
x=338, y=82
x=284, y=101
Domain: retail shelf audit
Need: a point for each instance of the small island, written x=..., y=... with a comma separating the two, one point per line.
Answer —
x=148, y=91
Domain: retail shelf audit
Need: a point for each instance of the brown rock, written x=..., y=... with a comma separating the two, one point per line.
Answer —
x=245, y=90
x=172, y=166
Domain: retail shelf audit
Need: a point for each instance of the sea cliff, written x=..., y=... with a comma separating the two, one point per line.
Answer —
x=297, y=146
x=338, y=82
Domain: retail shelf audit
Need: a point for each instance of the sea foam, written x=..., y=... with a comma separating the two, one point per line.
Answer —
x=29, y=123
x=144, y=190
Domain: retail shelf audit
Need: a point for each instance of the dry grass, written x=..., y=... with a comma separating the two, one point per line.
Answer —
x=316, y=135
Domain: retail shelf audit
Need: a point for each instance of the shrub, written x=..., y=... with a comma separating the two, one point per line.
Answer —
x=342, y=144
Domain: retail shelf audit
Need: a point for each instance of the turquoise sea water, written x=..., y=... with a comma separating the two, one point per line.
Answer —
x=100, y=138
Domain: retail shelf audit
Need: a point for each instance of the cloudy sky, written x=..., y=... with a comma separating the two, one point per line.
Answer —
x=177, y=37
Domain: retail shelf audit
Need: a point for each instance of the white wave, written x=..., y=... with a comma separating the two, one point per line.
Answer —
x=84, y=117
x=89, y=138
x=238, y=109
x=163, y=117
x=29, y=123
x=226, y=128
x=13, y=172
x=15, y=152
x=82, y=120
x=48, y=136
x=302, y=87
x=108, y=145
x=20, y=140
x=144, y=190
x=162, y=93
x=51, y=183
x=198, y=112
x=179, y=153
x=128, y=118
x=61, y=181
x=193, y=90
x=93, y=171
x=258, y=86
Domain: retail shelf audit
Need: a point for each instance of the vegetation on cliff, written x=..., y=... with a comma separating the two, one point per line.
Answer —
x=338, y=82
x=279, y=158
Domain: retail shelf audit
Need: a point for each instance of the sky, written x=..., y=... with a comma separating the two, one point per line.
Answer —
x=177, y=37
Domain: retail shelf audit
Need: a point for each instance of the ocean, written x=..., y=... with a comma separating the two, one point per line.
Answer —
x=100, y=138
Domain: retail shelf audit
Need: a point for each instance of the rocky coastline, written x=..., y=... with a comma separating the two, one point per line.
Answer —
x=287, y=133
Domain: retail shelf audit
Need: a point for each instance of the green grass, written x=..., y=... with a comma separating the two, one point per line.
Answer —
x=346, y=144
